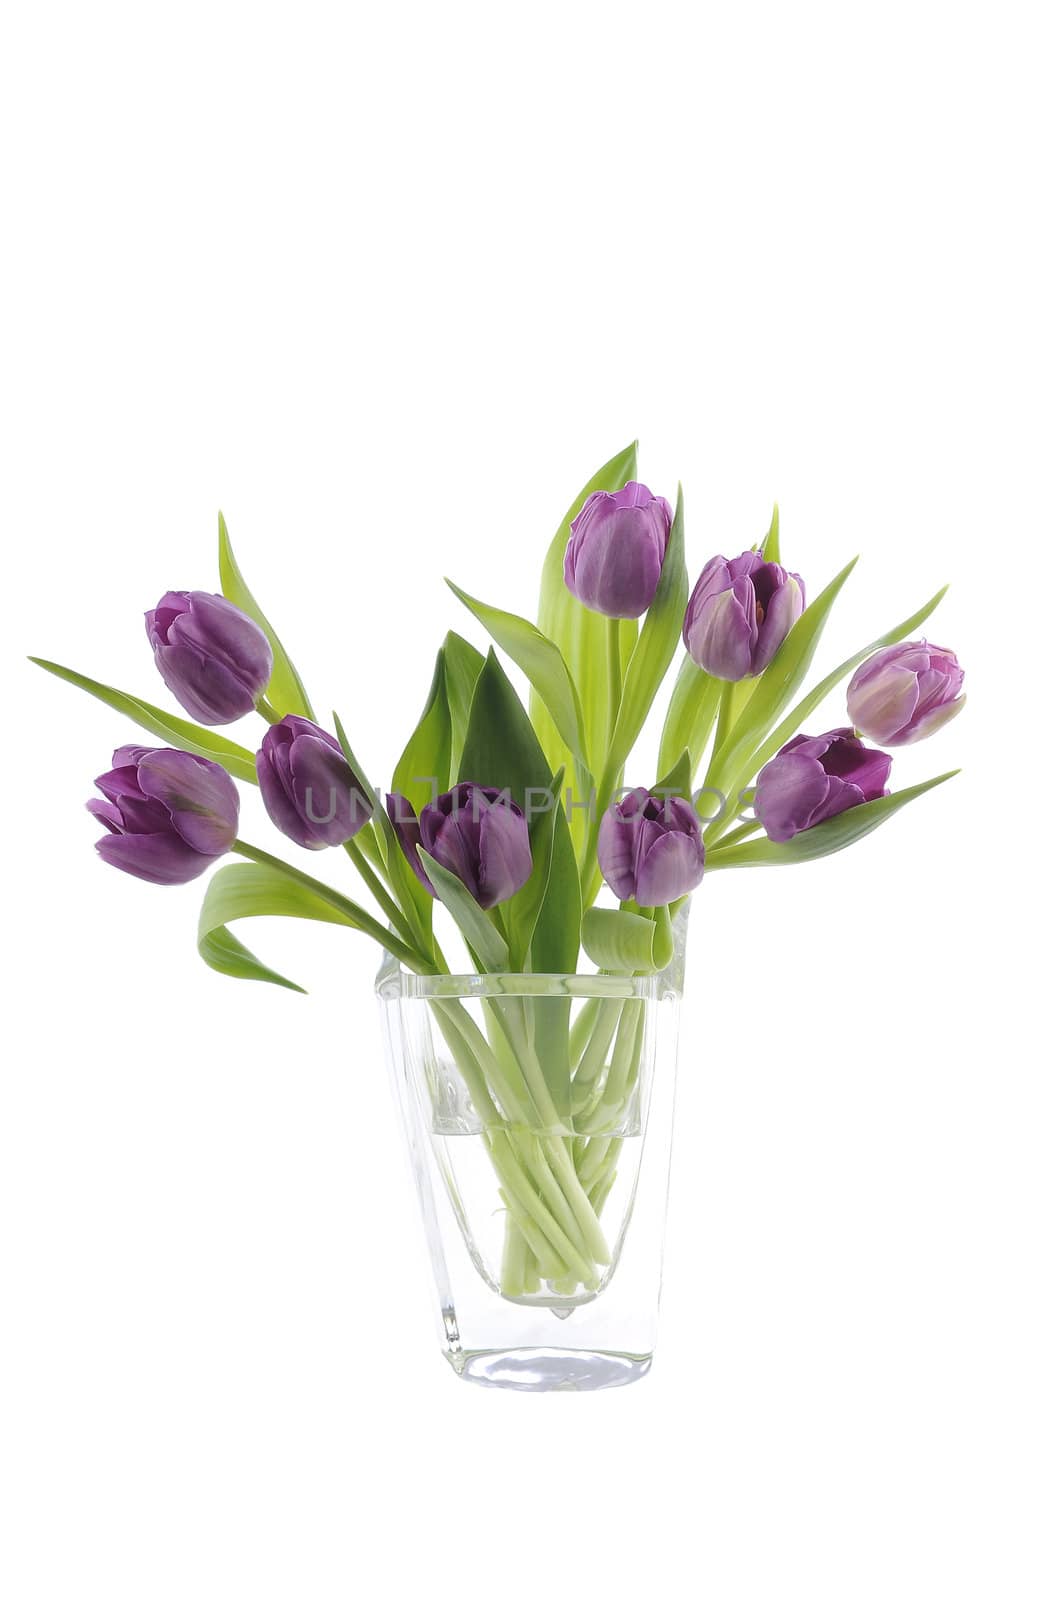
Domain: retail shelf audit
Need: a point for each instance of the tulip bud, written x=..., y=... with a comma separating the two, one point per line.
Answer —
x=651, y=850
x=307, y=786
x=615, y=553
x=812, y=779
x=906, y=692
x=168, y=814
x=477, y=833
x=214, y=660
x=739, y=613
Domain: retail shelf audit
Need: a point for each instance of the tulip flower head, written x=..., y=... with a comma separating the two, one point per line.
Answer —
x=812, y=779
x=906, y=692
x=650, y=850
x=308, y=787
x=477, y=833
x=169, y=815
x=213, y=659
x=739, y=613
x=616, y=550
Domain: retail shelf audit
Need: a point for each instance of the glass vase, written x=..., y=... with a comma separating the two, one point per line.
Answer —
x=537, y=1111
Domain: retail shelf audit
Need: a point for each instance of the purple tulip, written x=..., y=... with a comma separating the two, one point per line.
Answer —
x=168, y=814
x=651, y=850
x=906, y=692
x=812, y=779
x=477, y=833
x=616, y=550
x=739, y=613
x=212, y=657
x=307, y=786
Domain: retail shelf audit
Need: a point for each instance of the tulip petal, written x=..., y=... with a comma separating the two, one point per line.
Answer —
x=673, y=866
x=789, y=791
x=205, y=687
x=616, y=853
x=200, y=798
x=156, y=857
x=324, y=788
x=505, y=855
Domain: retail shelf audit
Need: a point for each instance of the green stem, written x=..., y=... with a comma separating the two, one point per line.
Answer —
x=355, y=914
x=614, y=670
x=264, y=709
x=380, y=894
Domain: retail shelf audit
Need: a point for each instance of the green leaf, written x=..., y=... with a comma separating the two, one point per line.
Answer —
x=542, y=664
x=237, y=761
x=464, y=665
x=475, y=926
x=581, y=635
x=623, y=941
x=520, y=914
x=789, y=727
x=675, y=782
x=770, y=547
x=837, y=833
x=253, y=891
x=555, y=944
x=423, y=770
x=501, y=750
x=285, y=690
x=691, y=715
x=653, y=653
x=777, y=685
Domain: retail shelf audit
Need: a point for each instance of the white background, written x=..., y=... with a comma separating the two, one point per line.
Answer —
x=386, y=284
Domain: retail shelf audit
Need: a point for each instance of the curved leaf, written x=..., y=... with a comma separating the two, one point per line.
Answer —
x=837, y=833
x=237, y=761
x=285, y=690
x=542, y=664
x=253, y=891
x=623, y=941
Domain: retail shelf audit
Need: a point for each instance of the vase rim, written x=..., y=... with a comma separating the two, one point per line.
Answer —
x=394, y=982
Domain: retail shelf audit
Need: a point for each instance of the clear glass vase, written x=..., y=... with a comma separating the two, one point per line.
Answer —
x=538, y=1115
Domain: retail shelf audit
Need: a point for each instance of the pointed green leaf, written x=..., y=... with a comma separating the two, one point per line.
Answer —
x=285, y=690
x=464, y=665
x=770, y=548
x=837, y=833
x=501, y=749
x=253, y=891
x=237, y=761
x=653, y=653
x=542, y=664
x=691, y=715
x=423, y=769
x=677, y=781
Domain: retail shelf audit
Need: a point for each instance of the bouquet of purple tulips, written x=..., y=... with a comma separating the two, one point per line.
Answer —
x=515, y=819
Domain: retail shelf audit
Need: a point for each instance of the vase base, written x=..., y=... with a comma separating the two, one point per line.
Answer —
x=540, y=1369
